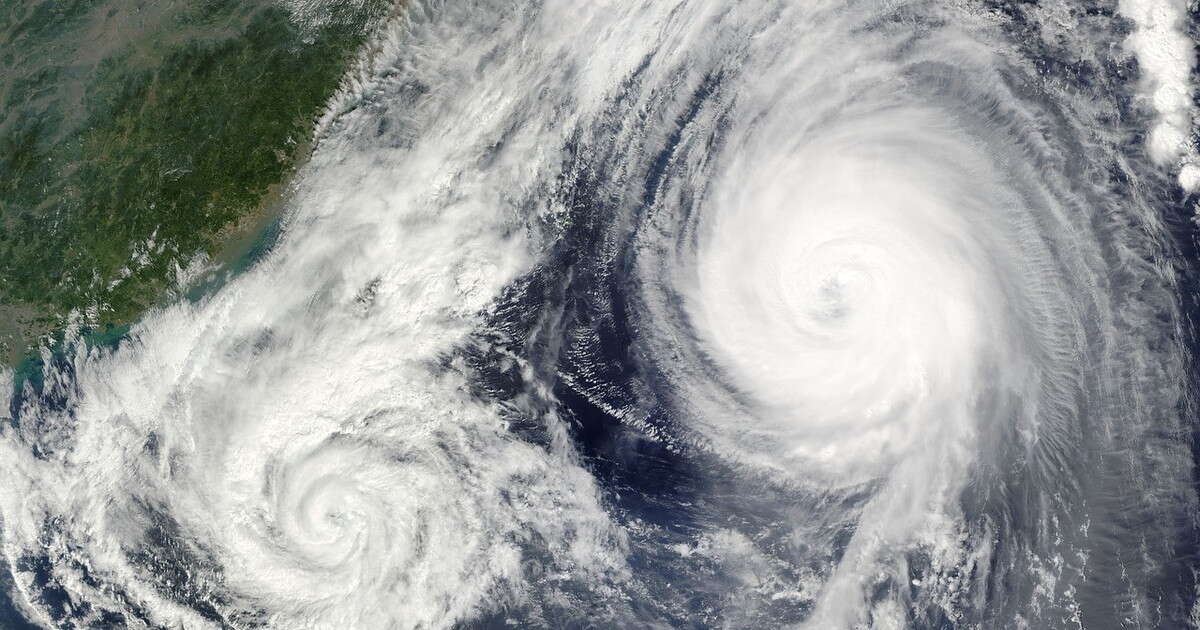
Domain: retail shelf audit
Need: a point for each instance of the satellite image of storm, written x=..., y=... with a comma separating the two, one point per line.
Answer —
x=600, y=314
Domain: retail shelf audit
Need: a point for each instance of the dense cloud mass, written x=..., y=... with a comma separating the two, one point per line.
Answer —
x=666, y=314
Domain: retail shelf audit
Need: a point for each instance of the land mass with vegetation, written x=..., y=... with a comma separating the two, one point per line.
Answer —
x=136, y=135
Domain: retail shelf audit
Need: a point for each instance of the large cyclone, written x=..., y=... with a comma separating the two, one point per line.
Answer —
x=667, y=314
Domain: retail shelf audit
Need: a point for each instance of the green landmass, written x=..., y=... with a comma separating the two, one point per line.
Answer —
x=137, y=134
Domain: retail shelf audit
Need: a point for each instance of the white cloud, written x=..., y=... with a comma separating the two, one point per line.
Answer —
x=1166, y=57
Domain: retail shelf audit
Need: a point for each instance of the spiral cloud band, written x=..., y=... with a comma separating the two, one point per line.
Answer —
x=661, y=314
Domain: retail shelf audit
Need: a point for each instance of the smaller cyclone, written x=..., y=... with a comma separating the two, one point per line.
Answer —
x=331, y=509
x=352, y=521
x=218, y=505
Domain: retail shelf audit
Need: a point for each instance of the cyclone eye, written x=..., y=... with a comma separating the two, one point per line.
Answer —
x=835, y=296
